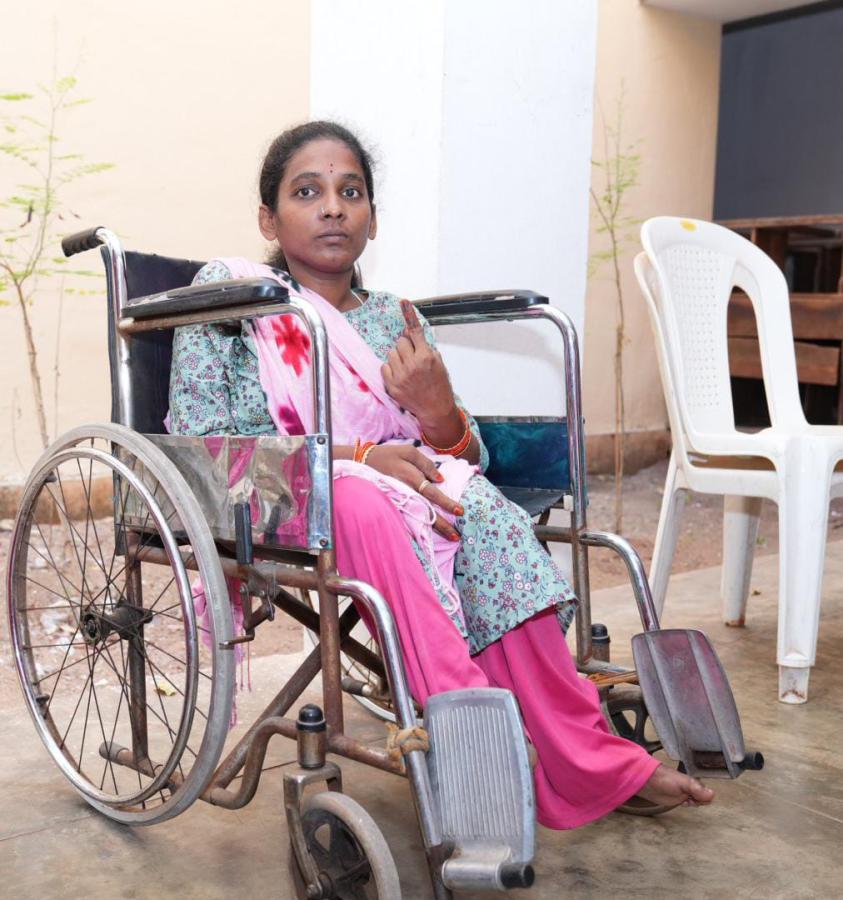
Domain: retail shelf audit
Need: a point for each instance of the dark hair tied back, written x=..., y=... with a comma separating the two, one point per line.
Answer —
x=281, y=151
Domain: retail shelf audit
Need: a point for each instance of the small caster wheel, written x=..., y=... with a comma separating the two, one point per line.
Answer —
x=351, y=854
x=628, y=718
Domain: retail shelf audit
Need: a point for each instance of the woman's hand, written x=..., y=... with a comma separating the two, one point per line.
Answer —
x=415, y=375
x=416, y=470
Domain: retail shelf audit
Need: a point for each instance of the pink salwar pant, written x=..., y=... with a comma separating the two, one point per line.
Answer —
x=583, y=771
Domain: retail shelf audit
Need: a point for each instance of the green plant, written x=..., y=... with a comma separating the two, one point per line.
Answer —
x=33, y=215
x=619, y=168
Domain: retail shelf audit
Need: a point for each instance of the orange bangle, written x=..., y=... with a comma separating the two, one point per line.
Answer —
x=461, y=445
x=364, y=455
x=362, y=451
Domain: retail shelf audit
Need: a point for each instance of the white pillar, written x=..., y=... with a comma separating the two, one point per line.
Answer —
x=480, y=112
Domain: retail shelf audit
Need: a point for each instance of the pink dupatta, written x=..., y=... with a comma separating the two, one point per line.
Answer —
x=360, y=408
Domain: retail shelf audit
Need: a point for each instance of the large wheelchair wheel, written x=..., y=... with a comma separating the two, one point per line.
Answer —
x=348, y=848
x=128, y=687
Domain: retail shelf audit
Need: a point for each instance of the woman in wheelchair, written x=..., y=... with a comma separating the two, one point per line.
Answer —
x=476, y=599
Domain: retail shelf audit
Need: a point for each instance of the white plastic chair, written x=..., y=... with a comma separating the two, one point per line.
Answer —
x=687, y=273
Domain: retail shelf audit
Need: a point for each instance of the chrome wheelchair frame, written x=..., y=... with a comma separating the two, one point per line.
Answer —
x=164, y=473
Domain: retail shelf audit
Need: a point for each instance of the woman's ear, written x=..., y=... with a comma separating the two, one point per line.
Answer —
x=373, y=225
x=266, y=222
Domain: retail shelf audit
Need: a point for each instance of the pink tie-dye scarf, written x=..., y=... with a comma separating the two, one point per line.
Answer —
x=360, y=408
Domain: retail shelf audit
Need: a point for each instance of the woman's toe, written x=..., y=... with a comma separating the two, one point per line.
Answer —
x=699, y=793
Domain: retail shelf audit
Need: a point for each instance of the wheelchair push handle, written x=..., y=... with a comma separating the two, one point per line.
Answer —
x=81, y=241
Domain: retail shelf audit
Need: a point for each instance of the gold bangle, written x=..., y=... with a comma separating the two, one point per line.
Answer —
x=360, y=452
x=461, y=445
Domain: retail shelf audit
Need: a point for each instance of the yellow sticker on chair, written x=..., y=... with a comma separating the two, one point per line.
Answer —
x=688, y=225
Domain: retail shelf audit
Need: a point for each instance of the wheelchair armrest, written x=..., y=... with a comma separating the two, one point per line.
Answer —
x=481, y=303
x=204, y=297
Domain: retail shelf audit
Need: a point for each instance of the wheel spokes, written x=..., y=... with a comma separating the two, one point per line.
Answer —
x=70, y=611
x=337, y=853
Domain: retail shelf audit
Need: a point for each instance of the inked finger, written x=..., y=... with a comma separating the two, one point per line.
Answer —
x=411, y=319
x=404, y=347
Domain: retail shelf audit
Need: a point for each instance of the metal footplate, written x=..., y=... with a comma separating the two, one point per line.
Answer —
x=482, y=786
x=691, y=704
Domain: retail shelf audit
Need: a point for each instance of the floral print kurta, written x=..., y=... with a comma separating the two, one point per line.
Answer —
x=503, y=574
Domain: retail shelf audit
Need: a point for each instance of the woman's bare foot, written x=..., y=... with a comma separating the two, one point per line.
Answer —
x=667, y=787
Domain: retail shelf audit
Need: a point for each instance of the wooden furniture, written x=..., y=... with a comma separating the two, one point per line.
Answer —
x=809, y=249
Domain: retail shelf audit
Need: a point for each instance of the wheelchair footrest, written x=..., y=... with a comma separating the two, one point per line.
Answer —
x=482, y=786
x=690, y=701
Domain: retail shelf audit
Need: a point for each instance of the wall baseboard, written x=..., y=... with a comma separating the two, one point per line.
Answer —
x=75, y=498
x=641, y=449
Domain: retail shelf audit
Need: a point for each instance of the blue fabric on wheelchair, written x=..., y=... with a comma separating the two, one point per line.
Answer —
x=528, y=460
x=527, y=454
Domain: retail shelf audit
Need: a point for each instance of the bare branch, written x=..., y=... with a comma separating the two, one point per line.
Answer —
x=32, y=211
x=619, y=168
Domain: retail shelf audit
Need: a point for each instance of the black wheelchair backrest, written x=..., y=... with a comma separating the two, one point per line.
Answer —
x=151, y=352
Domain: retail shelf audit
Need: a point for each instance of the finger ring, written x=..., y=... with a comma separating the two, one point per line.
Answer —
x=423, y=485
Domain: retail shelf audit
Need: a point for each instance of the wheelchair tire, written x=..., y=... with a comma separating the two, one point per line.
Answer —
x=129, y=690
x=351, y=853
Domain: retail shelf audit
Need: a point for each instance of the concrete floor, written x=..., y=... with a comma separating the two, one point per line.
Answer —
x=777, y=833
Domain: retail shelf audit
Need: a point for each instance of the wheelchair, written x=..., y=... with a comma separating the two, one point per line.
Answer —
x=129, y=677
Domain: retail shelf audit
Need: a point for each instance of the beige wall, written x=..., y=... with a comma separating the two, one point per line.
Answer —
x=669, y=66
x=186, y=95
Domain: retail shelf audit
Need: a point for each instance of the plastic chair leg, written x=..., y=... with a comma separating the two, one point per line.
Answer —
x=793, y=684
x=803, y=515
x=740, y=531
x=673, y=503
